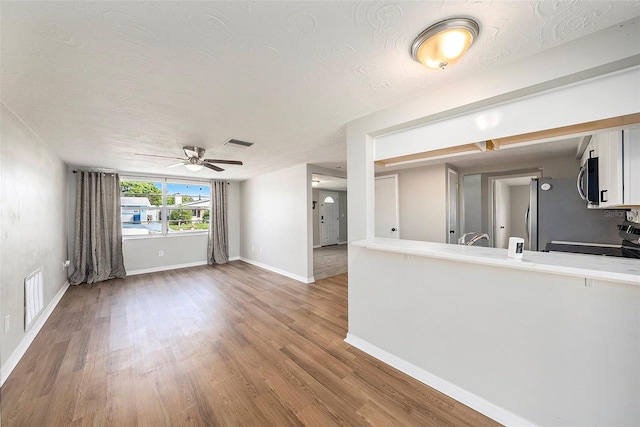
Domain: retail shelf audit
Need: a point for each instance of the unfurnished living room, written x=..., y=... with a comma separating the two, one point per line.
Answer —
x=269, y=213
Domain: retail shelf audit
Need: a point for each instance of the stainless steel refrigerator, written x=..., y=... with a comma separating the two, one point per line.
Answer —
x=557, y=213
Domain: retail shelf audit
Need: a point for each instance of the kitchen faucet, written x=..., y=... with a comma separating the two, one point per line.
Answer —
x=478, y=237
x=463, y=238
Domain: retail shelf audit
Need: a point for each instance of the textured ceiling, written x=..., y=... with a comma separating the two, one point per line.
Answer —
x=101, y=81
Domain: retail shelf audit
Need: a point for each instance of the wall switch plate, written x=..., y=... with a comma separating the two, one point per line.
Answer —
x=7, y=323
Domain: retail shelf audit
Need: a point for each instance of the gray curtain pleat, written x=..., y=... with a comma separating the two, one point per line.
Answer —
x=218, y=248
x=97, y=254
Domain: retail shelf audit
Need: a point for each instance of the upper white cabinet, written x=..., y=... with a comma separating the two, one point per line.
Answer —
x=618, y=154
x=631, y=166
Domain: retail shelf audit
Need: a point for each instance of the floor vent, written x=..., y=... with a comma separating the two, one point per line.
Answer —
x=33, y=297
x=238, y=143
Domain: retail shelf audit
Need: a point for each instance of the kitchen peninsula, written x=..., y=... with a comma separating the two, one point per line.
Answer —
x=549, y=340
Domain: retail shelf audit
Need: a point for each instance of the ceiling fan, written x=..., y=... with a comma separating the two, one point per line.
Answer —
x=194, y=160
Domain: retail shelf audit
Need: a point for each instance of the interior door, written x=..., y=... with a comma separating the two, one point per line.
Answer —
x=329, y=218
x=387, y=212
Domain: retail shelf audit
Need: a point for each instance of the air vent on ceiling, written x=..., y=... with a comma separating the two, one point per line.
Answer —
x=238, y=143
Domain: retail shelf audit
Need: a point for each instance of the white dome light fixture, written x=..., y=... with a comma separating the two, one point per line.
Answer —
x=444, y=43
x=193, y=167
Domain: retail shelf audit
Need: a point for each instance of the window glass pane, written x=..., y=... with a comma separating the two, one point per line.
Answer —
x=329, y=199
x=140, y=221
x=140, y=207
x=188, y=194
x=135, y=191
x=188, y=207
x=186, y=220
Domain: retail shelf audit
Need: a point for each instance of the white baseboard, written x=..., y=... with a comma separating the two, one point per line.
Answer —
x=165, y=268
x=458, y=393
x=234, y=258
x=317, y=246
x=38, y=323
x=343, y=243
x=278, y=271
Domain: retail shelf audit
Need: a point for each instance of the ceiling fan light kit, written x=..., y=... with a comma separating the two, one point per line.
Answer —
x=194, y=167
x=445, y=42
x=195, y=161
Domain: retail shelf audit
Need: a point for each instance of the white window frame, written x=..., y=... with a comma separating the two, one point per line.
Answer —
x=164, y=209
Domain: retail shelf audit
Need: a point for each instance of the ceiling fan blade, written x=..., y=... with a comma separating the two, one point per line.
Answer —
x=224, y=162
x=214, y=167
x=157, y=155
x=176, y=165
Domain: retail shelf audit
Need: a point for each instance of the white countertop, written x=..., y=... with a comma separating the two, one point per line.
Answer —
x=624, y=270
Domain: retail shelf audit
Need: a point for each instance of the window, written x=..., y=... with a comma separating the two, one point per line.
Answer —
x=329, y=199
x=161, y=207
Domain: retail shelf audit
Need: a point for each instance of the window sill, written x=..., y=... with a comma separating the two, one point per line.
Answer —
x=160, y=236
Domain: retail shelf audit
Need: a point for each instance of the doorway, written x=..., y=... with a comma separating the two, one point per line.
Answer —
x=329, y=225
x=329, y=218
x=510, y=207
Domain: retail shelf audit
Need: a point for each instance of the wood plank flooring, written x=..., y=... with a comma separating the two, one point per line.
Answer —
x=212, y=346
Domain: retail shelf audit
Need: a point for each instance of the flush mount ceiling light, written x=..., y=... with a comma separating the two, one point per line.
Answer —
x=444, y=43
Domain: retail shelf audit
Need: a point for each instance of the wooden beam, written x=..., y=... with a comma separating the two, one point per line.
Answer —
x=596, y=125
x=494, y=144
x=428, y=154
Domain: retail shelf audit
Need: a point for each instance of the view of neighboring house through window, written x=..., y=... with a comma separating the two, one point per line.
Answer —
x=161, y=207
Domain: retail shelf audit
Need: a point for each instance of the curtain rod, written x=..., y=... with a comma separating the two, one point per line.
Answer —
x=99, y=171
x=178, y=178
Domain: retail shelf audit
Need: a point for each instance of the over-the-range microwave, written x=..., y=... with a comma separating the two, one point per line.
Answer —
x=587, y=183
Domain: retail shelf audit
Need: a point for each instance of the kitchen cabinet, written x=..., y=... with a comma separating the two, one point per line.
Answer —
x=608, y=148
x=618, y=154
x=631, y=166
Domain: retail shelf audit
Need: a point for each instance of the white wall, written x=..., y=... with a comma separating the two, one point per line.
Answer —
x=520, y=197
x=142, y=255
x=233, y=216
x=276, y=222
x=565, y=166
x=33, y=214
x=473, y=215
x=423, y=203
x=396, y=305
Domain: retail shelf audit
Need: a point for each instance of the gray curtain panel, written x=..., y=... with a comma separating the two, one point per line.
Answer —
x=218, y=248
x=97, y=254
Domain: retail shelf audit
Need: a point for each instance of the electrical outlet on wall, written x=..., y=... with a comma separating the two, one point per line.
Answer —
x=160, y=253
